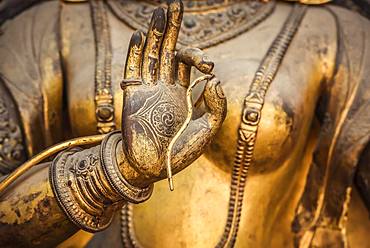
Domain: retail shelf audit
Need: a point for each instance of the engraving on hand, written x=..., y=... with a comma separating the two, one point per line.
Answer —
x=159, y=117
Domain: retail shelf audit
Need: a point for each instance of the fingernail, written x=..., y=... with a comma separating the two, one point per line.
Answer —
x=159, y=19
x=175, y=11
x=219, y=91
x=209, y=63
x=175, y=4
x=136, y=39
x=206, y=59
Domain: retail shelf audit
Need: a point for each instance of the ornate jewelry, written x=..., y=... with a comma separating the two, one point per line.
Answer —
x=76, y=180
x=227, y=20
x=250, y=119
x=12, y=150
x=115, y=178
x=129, y=239
x=89, y=187
x=200, y=29
x=251, y=116
x=103, y=86
x=200, y=5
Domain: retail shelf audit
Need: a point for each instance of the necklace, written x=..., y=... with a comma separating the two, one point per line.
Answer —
x=247, y=134
x=104, y=108
x=204, y=24
x=251, y=116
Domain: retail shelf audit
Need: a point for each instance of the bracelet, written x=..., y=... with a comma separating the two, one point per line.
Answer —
x=89, y=186
x=110, y=167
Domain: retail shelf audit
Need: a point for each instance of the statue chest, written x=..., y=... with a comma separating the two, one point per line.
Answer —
x=195, y=214
x=236, y=63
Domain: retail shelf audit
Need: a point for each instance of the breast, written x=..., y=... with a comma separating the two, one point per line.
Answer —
x=276, y=132
x=195, y=215
x=285, y=117
x=290, y=99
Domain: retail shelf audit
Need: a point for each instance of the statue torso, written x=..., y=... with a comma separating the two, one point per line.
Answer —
x=194, y=215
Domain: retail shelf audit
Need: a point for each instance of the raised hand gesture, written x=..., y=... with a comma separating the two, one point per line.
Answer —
x=155, y=82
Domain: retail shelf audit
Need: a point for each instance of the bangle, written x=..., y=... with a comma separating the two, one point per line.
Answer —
x=89, y=186
x=115, y=178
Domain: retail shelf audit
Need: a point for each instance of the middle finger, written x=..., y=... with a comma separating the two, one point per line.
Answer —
x=153, y=46
x=174, y=18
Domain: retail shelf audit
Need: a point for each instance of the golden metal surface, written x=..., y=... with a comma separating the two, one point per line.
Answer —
x=190, y=110
x=89, y=185
x=47, y=154
x=216, y=23
x=250, y=119
x=103, y=69
x=311, y=2
x=155, y=100
x=13, y=150
x=29, y=209
x=78, y=240
x=196, y=227
x=64, y=75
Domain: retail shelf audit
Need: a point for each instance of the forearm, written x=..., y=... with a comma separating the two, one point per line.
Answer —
x=80, y=189
x=29, y=213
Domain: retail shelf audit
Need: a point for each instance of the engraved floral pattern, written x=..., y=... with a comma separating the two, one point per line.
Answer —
x=200, y=29
x=12, y=151
x=83, y=168
x=163, y=118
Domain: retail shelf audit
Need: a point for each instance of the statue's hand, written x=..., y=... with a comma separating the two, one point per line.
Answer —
x=155, y=83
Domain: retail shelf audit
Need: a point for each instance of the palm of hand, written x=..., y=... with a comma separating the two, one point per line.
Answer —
x=155, y=82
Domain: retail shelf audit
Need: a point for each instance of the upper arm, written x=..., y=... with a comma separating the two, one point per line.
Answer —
x=344, y=115
x=353, y=79
x=31, y=69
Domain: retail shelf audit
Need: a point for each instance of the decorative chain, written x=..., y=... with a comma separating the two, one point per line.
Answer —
x=247, y=134
x=251, y=116
x=103, y=86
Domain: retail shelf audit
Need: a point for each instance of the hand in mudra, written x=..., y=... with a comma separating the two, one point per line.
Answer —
x=155, y=83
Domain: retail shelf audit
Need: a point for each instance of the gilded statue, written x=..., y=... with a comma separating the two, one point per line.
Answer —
x=256, y=112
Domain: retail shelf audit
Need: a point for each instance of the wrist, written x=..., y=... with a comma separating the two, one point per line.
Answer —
x=128, y=171
x=113, y=161
x=89, y=186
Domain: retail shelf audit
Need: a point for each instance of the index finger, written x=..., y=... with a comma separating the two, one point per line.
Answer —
x=174, y=18
x=134, y=55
